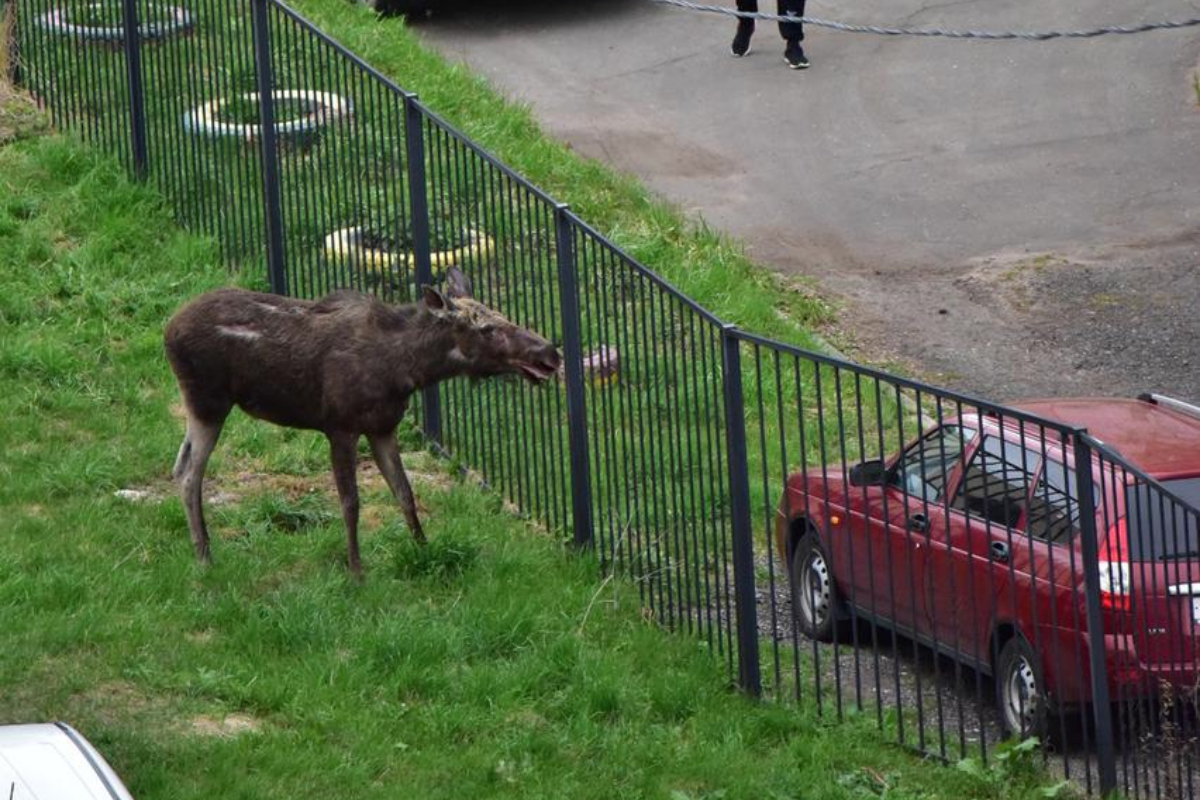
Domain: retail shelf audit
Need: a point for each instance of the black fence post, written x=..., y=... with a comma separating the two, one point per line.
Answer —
x=276, y=271
x=137, y=98
x=568, y=285
x=749, y=673
x=418, y=197
x=1101, y=703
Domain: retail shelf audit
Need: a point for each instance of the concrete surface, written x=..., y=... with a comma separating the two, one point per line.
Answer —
x=1013, y=219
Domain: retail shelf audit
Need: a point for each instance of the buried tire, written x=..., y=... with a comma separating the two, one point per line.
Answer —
x=322, y=110
x=816, y=604
x=170, y=21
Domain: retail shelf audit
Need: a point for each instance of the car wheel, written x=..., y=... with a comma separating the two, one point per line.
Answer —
x=1021, y=691
x=815, y=600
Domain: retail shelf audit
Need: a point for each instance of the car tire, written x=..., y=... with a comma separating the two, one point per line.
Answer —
x=1025, y=708
x=816, y=603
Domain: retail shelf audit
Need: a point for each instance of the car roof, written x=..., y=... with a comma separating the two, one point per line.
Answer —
x=1158, y=440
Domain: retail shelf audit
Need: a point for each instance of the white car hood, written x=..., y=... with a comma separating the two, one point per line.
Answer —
x=53, y=761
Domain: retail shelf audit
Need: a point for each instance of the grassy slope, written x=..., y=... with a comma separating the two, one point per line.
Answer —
x=493, y=665
x=704, y=264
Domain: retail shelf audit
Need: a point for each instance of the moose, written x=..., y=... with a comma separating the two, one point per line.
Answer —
x=345, y=365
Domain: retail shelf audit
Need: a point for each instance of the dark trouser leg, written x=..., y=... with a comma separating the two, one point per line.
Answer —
x=747, y=5
x=745, y=29
x=791, y=31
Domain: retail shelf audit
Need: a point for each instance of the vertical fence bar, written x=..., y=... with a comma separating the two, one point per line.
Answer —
x=414, y=143
x=749, y=675
x=568, y=287
x=1101, y=706
x=137, y=99
x=270, y=147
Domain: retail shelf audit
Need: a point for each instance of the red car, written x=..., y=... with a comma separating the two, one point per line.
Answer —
x=967, y=541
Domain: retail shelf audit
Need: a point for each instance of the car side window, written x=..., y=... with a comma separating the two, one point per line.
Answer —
x=997, y=481
x=1053, y=511
x=924, y=469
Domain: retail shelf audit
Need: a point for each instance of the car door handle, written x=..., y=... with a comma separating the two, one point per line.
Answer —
x=999, y=552
x=919, y=523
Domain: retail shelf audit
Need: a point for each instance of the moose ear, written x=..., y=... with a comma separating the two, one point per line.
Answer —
x=457, y=283
x=435, y=300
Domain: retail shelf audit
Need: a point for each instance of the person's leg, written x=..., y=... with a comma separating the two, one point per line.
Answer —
x=793, y=33
x=790, y=31
x=745, y=29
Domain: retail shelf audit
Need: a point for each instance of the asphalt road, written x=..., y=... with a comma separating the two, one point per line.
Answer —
x=1009, y=218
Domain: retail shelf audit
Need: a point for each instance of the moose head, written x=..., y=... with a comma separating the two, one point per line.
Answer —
x=487, y=344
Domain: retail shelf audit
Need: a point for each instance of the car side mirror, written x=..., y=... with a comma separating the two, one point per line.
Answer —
x=868, y=473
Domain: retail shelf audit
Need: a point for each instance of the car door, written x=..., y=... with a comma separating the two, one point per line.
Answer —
x=984, y=571
x=901, y=521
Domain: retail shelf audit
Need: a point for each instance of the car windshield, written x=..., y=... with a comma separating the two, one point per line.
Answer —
x=1161, y=529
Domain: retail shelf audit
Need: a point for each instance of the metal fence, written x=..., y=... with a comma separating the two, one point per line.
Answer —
x=852, y=541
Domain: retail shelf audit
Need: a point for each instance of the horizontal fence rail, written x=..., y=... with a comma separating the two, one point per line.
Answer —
x=854, y=542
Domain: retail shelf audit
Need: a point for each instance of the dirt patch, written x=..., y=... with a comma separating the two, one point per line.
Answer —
x=230, y=487
x=20, y=117
x=115, y=701
x=200, y=637
x=226, y=727
x=1104, y=322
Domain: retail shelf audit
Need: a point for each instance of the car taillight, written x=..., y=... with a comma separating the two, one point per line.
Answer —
x=1115, y=585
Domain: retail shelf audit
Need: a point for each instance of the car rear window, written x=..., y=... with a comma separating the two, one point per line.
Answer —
x=1160, y=528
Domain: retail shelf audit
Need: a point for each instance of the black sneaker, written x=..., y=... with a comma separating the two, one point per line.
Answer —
x=741, y=40
x=794, y=56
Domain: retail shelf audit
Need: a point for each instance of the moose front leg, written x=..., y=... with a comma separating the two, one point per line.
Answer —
x=343, y=448
x=387, y=456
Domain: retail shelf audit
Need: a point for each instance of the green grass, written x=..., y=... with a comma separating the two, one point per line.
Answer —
x=657, y=435
x=492, y=664
x=661, y=464
x=656, y=438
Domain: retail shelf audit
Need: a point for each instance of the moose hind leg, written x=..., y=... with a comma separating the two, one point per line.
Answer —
x=343, y=449
x=387, y=457
x=198, y=445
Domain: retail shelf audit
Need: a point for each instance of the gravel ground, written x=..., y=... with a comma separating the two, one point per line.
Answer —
x=947, y=710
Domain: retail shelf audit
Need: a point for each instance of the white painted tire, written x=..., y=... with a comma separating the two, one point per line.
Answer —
x=344, y=245
x=175, y=20
x=325, y=108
